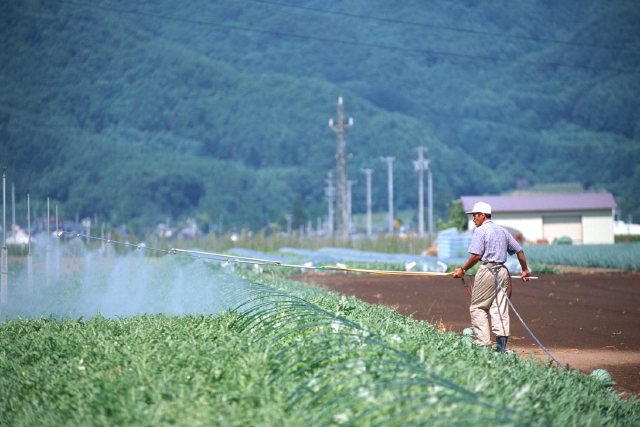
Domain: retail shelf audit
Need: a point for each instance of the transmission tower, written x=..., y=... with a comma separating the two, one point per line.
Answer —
x=389, y=161
x=368, y=172
x=341, y=169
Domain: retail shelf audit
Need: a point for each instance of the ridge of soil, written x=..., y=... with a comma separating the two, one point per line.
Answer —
x=587, y=320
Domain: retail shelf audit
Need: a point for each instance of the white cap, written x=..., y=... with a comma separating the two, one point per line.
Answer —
x=481, y=207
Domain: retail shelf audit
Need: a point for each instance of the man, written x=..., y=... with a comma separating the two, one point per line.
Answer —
x=490, y=245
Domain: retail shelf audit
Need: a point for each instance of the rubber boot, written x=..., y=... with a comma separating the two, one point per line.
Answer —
x=501, y=344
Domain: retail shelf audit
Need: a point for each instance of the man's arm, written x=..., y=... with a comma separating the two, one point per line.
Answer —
x=473, y=260
x=523, y=263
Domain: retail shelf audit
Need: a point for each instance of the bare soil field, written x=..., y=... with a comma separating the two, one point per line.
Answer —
x=587, y=320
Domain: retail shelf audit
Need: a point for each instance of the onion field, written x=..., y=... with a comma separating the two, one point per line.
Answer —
x=624, y=256
x=267, y=352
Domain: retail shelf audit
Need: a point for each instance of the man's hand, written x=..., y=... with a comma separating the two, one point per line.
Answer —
x=525, y=275
x=458, y=273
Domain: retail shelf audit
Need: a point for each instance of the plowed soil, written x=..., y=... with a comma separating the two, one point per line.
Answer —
x=587, y=321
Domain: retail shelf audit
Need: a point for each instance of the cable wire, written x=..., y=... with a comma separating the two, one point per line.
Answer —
x=443, y=27
x=346, y=42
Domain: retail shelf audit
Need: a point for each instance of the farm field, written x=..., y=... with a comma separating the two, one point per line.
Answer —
x=232, y=347
x=589, y=321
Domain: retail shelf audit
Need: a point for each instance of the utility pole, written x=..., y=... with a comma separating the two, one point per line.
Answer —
x=56, y=249
x=420, y=166
x=330, y=192
x=5, y=253
x=368, y=172
x=4, y=210
x=13, y=205
x=430, y=202
x=389, y=161
x=349, y=201
x=47, y=260
x=341, y=168
x=288, y=217
x=29, y=257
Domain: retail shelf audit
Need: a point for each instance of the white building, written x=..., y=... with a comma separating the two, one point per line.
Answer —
x=621, y=228
x=586, y=218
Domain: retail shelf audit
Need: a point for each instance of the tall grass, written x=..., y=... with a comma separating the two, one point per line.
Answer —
x=627, y=238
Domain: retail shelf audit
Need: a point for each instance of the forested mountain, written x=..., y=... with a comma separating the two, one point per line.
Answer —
x=151, y=109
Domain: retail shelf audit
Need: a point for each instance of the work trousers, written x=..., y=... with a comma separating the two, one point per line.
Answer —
x=489, y=300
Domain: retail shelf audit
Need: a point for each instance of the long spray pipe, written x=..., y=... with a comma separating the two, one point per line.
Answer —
x=248, y=260
x=195, y=254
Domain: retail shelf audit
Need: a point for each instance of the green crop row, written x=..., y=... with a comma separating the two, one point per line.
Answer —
x=621, y=257
x=230, y=370
x=539, y=392
x=141, y=370
x=627, y=238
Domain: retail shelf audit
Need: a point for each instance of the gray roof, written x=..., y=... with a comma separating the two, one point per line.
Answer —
x=543, y=202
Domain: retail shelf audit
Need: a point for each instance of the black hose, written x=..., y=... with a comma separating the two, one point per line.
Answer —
x=495, y=276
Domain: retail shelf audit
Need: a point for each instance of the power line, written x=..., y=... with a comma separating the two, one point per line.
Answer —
x=443, y=27
x=348, y=42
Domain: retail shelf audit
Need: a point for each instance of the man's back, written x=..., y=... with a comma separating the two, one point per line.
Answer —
x=493, y=243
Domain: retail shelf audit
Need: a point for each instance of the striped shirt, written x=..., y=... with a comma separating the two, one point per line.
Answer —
x=493, y=242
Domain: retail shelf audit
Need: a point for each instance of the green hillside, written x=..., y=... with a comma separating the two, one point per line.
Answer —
x=153, y=109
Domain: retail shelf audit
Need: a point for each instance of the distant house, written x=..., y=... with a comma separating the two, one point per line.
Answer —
x=621, y=228
x=586, y=218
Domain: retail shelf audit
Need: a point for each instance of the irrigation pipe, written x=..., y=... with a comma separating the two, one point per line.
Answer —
x=248, y=260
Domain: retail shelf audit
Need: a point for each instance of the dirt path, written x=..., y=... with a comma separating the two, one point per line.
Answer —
x=588, y=321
